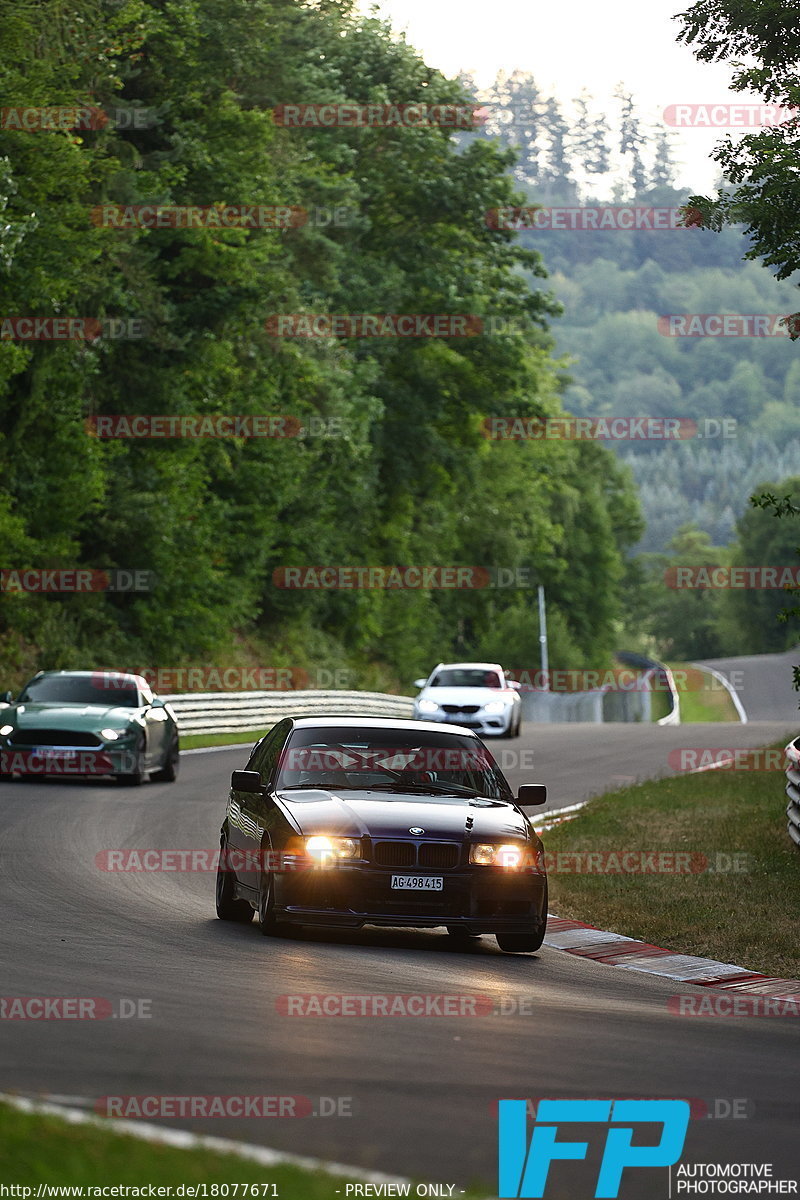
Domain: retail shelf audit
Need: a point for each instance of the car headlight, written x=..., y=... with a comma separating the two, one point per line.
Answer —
x=427, y=706
x=5, y=730
x=110, y=735
x=494, y=706
x=487, y=854
x=326, y=850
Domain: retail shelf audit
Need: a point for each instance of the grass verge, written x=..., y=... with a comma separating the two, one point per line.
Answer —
x=702, y=697
x=193, y=741
x=745, y=911
x=35, y=1148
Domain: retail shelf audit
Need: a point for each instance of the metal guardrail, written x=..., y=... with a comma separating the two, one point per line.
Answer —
x=605, y=704
x=792, y=753
x=243, y=712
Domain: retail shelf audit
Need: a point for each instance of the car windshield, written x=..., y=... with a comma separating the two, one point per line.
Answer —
x=467, y=677
x=81, y=689
x=420, y=762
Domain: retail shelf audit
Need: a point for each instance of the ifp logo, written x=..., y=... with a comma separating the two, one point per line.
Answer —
x=524, y=1169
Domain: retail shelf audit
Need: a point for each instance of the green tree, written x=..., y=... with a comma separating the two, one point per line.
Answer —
x=762, y=43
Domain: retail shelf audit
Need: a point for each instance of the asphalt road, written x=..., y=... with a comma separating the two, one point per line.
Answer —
x=421, y=1090
x=764, y=684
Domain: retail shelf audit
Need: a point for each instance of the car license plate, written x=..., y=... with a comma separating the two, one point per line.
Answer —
x=418, y=883
x=52, y=753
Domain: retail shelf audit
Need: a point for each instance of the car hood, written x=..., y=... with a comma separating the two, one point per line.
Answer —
x=466, y=695
x=392, y=814
x=67, y=716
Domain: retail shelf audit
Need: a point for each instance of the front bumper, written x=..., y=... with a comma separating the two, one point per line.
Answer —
x=67, y=762
x=481, y=899
x=481, y=723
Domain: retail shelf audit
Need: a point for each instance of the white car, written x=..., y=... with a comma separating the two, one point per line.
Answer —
x=475, y=695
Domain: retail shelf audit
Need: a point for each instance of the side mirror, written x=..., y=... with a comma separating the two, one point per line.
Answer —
x=158, y=702
x=512, y=683
x=531, y=794
x=6, y=697
x=246, y=781
x=420, y=683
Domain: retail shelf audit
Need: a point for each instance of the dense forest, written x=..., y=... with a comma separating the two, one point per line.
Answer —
x=404, y=475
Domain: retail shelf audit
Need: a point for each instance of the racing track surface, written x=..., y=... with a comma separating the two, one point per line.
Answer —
x=422, y=1089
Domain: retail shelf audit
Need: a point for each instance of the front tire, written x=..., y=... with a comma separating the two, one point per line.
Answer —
x=267, y=923
x=229, y=908
x=137, y=776
x=169, y=771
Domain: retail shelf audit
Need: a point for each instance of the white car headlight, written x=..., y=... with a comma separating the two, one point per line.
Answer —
x=427, y=706
x=488, y=854
x=6, y=730
x=495, y=706
x=327, y=850
x=109, y=735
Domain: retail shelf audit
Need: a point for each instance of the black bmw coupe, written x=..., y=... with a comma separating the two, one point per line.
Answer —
x=349, y=821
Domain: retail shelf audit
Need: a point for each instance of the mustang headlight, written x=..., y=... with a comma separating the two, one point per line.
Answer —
x=327, y=850
x=427, y=706
x=494, y=706
x=110, y=735
x=488, y=854
x=5, y=730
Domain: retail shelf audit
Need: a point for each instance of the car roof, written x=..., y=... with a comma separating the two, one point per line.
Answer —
x=482, y=666
x=388, y=723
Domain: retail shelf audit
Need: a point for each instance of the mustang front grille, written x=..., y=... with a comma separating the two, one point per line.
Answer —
x=53, y=737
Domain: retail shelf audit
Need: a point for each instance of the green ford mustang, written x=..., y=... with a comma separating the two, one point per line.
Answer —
x=73, y=723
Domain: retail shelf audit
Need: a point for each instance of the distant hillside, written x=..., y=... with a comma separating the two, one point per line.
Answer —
x=615, y=284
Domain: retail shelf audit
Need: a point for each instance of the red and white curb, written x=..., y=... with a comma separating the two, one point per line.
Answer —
x=616, y=950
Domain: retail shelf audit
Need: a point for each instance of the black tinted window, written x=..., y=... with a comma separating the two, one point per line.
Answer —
x=341, y=758
x=81, y=689
x=265, y=756
x=467, y=677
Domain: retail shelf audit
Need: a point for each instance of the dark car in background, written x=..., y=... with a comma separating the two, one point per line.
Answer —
x=87, y=723
x=347, y=821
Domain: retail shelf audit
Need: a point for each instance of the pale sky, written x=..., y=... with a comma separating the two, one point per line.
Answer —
x=575, y=44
